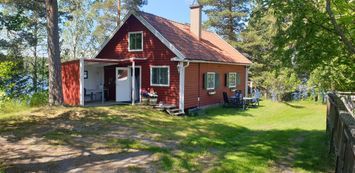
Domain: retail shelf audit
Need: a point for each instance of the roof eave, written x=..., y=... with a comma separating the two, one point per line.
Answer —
x=211, y=62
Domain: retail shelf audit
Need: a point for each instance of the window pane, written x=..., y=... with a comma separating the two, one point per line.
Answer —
x=155, y=75
x=163, y=76
x=232, y=79
x=132, y=42
x=160, y=76
x=135, y=41
x=139, y=41
x=210, y=81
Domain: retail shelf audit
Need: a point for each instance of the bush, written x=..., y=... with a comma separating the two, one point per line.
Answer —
x=39, y=99
x=11, y=105
x=286, y=96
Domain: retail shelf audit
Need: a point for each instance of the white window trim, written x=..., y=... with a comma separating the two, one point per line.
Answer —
x=151, y=75
x=129, y=39
x=235, y=81
x=214, y=80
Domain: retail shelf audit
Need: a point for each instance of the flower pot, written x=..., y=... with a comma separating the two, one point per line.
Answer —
x=153, y=101
x=211, y=93
x=145, y=100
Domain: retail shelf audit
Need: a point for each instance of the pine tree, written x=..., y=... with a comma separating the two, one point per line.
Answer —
x=54, y=63
x=108, y=14
x=226, y=17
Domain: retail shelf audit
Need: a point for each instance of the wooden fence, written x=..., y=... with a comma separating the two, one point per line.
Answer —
x=341, y=130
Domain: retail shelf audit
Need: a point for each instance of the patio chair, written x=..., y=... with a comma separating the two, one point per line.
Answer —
x=256, y=98
x=87, y=97
x=227, y=101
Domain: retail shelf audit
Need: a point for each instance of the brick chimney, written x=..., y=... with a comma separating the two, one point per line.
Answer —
x=196, y=19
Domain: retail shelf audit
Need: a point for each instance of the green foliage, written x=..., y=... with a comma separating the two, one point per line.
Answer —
x=226, y=17
x=279, y=82
x=8, y=105
x=12, y=79
x=307, y=40
x=77, y=29
x=39, y=99
x=24, y=25
x=336, y=75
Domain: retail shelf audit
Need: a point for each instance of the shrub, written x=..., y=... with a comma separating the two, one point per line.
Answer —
x=12, y=105
x=39, y=99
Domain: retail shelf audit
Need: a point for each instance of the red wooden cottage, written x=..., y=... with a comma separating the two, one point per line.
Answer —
x=186, y=66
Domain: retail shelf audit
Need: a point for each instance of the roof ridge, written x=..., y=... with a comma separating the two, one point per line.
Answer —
x=220, y=50
x=165, y=18
x=173, y=21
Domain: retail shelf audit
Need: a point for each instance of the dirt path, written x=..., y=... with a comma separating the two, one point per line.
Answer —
x=32, y=155
x=69, y=142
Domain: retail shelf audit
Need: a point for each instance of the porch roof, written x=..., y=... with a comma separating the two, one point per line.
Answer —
x=109, y=61
x=114, y=60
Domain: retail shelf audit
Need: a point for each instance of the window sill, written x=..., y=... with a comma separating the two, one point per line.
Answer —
x=212, y=92
x=156, y=85
x=138, y=50
x=233, y=89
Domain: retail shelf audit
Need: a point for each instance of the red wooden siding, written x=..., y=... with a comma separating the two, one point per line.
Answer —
x=155, y=52
x=71, y=82
x=194, y=83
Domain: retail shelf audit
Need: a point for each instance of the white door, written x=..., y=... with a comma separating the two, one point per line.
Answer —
x=123, y=84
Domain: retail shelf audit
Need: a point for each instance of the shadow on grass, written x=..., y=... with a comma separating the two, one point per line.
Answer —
x=201, y=143
x=293, y=105
x=245, y=150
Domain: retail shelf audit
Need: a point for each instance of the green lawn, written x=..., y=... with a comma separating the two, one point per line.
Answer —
x=275, y=137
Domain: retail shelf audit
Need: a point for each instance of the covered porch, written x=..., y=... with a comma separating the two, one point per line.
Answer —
x=106, y=82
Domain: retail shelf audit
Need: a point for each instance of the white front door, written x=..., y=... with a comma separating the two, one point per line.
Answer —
x=123, y=84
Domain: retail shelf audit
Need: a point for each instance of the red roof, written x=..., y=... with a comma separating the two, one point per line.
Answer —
x=209, y=48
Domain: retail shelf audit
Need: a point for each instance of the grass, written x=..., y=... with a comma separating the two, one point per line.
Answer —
x=272, y=138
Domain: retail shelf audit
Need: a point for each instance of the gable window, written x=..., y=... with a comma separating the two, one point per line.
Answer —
x=135, y=41
x=159, y=75
x=210, y=80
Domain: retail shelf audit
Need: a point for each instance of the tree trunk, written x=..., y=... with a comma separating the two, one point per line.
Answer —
x=35, y=70
x=54, y=64
x=230, y=22
x=338, y=29
x=35, y=63
x=118, y=12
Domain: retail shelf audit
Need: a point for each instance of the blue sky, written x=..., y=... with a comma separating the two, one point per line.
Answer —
x=177, y=10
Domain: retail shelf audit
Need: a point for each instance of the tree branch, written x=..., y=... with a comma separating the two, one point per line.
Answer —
x=339, y=30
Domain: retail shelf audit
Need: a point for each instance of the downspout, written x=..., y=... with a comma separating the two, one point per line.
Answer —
x=246, y=80
x=181, y=69
x=81, y=81
x=133, y=81
x=199, y=85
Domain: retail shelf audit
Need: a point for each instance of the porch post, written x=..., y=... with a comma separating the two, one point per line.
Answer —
x=181, y=86
x=246, y=80
x=81, y=81
x=133, y=81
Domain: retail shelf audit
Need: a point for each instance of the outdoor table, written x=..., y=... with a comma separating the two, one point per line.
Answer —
x=247, y=101
x=234, y=98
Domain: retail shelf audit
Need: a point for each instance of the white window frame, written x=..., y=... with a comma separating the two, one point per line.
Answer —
x=129, y=40
x=151, y=75
x=214, y=80
x=235, y=81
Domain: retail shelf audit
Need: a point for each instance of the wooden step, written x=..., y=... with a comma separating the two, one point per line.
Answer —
x=164, y=107
x=175, y=112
